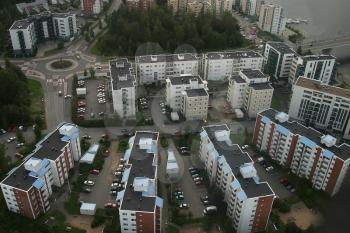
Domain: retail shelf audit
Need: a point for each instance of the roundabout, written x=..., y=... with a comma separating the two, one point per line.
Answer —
x=60, y=65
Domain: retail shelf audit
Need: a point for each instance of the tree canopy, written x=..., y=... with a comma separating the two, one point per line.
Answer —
x=130, y=30
x=14, y=97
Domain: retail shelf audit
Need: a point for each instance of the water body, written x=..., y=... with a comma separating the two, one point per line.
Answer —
x=327, y=19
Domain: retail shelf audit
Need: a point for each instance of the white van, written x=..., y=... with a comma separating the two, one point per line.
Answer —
x=260, y=159
x=209, y=209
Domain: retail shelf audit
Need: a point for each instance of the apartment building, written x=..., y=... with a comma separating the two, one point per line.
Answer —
x=27, y=188
x=123, y=85
x=140, y=4
x=176, y=85
x=305, y=151
x=140, y=209
x=318, y=67
x=26, y=34
x=222, y=65
x=194, y=104
x=91, y=6
x=250, y=91
x=199, y=6
x=154, y=68
x=271, y=19
x=278, y=58
x=249, y=200
x=219, y=7
x=322, y=106
x=248, y=7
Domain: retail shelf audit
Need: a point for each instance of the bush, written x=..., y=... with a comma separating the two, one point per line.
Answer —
x=282, y=206
x=123, y=145
x=164, y=142
x=72, y=206
x=99, y=218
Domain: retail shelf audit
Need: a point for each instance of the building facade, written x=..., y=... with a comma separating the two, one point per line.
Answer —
x=27, y=188
x=271, y=19
x=26, y=34
x=194, y=104
x=249, y=7
x=318, y=67
x=199, y=6
x=91, y=6
x=176, y=85
x=250, y=91
x=249, y=201
x=305, y=151
x=322, y=106
x=123, y=85
x=222, y=65
x=219, y=7
x=156, y=68
x=278, y=58
x=140, y=209
x=140, y=4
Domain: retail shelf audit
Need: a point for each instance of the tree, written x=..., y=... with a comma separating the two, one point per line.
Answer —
x=92, y=72
x=85, y=72
x=4, y=160
x=100, y=23
x=19, y=135
x=37, y=132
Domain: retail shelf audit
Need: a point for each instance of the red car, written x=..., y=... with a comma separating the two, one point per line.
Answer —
x=94, y=171
x=111, y=205
x=284, y=181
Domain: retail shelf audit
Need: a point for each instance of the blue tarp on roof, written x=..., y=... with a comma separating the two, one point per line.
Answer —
x=328, y=154
x=151, y=191
x=307, y=142
x=241, y=196
x=226, y=169
x=127, y=154
x=265, y=119
x=159, y=202
x=126, y=175
x=235, y=184
x=39, y=183
x=282, y=130
x=120, y=195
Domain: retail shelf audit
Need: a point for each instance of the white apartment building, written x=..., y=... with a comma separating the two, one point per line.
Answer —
x=194, y=104
x=322, y=106
x=249, y=201
x=153, y=68
x=26, y=34
x=23, y=37
x=123, y=85
x=140, y=209
x=271, y=19
x=305, y=151
x=27, y=188
x=222, y=65
x=248, y=7
x=219, y=7
x=278, y=58
x=318, y=67
x=250, y=91
x=176, y=85
x=65, y=25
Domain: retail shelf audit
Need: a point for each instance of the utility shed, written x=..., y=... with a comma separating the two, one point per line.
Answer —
x=88, y=209
x=172, y=168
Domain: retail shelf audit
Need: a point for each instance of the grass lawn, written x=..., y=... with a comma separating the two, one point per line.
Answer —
x=61, y=64
x=73, y=205
x=36, y=96
x=275, y=103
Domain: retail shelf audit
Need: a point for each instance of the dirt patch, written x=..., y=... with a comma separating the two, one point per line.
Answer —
x=83, y=222
x=302, y=216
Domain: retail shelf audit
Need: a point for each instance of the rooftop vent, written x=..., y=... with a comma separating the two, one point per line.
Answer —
x=328, y=140
x=282, y=117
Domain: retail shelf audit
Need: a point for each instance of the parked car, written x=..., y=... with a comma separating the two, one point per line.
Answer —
x=198, y=179
x=111, y=205
x=19, y=156
x=179, y=193
x=94, y=171
x=184, y=206
x=205, y=200
x=2, y=131
x=269, y=169
x=86, y=190
x=209, y=209
x=260, y=159
x=19, y=145
x=11, y=139
x=198, y=182
x=284, y=181
x=244, y=147
x=179, y=197
x=89, y=182
x=195, y=175
x=114, y=193
x=86, y=136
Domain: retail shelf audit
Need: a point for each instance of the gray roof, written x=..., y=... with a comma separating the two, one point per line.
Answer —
x=21, y=24
x=20, y=179
x=260, y=86
x=252, y=74
x=121, y=68
x=234, y=54
x=281, y=47
x=238, y=79
x=141, y=166
x=318, y=57
x=235, y=157
x=62, y=15
x=340, y=150
x=185, y=79
x=167, y=58
x=196, y=92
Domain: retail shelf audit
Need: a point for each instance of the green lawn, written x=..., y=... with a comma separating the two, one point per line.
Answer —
x=237, y=138
x=275, y=103
x=36, y=96
x=72, y=205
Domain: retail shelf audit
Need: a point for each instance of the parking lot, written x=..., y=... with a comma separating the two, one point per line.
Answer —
x=100, y=191
x=14, y=147
x=273, y=177
x=95, y=103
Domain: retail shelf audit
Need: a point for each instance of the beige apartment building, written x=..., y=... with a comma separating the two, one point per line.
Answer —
x=194, y=104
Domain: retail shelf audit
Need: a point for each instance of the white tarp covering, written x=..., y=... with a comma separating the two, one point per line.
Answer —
x=88, y=208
